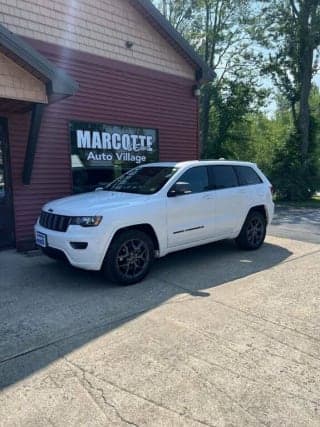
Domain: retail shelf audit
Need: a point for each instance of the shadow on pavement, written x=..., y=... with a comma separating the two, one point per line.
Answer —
x=48, y=309
x=296, y=223
x=296, y=216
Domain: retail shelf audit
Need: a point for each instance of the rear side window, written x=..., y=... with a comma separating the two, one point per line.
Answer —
x=247, y=176
x=222, y=177
x=197, y=178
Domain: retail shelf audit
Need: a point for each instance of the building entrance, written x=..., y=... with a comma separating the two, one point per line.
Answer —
x=6, y=212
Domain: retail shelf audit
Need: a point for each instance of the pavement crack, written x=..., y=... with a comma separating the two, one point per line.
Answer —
x=292, y=347
x=242, y=356
x=146, y=399
x=273, y=388
x=261, y=318
x=99, y=326
x=229, y=397
x=301, y=256
x=213, y=337
x=100, y=391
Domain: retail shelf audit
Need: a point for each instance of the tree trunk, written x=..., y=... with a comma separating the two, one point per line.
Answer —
x=305, y=71
x=206, y=98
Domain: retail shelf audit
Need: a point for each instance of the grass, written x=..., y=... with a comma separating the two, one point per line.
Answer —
x=312, y=203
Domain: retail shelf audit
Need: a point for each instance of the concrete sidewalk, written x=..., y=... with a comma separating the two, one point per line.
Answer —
x=213, y=337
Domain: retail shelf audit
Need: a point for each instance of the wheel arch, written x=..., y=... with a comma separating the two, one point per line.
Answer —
x=146, y=228
x=243, y=238
x=257, y=208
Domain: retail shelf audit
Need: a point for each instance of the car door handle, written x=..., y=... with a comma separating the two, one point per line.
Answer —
x=207, y=197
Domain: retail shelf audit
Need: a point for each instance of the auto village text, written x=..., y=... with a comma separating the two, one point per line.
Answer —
x=125, y=147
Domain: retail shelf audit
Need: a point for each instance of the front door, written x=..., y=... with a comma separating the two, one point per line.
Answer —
x=189, y=217
x=6, y=214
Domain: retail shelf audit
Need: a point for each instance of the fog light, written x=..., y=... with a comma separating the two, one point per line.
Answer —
x=79, y=245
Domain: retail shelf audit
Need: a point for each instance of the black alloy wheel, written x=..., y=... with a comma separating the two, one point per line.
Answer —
x=129, y=258
x=132, y=258
x=253, y=231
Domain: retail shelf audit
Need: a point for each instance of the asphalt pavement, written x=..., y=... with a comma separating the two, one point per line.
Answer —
x=296, y=223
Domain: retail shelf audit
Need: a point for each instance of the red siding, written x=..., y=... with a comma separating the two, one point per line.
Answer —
x=110, y=92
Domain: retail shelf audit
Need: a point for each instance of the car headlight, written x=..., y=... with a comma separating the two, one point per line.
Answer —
x=86, y=221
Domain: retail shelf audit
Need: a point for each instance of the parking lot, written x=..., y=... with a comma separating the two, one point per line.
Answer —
x=296, y=223
x=214, y=337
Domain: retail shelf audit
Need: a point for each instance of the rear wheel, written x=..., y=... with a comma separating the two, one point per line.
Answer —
x=253, y=232
x=129, y=257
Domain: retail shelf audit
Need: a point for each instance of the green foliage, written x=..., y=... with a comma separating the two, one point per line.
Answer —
x=226, y=34
x=230, y=119
x=294, y=178
x=291, y=33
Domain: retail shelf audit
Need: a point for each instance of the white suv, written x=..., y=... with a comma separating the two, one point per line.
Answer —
x=156, y=209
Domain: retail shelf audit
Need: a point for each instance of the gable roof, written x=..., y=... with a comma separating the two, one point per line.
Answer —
x=61, y=84
x=58, y=83
x=204, y=72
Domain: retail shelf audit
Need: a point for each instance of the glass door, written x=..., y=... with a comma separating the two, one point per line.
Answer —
x=6, y=214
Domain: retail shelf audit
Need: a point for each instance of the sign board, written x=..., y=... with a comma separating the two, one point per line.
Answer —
x=97, y=145
x=101, y=152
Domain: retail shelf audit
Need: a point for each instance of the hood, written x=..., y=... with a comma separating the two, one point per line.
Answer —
x=95, y=203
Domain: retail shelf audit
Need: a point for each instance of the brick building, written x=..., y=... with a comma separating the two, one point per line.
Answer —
x=112, y=71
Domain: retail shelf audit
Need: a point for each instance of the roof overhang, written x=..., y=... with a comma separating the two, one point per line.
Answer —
x=203, y=72
x=59, y=85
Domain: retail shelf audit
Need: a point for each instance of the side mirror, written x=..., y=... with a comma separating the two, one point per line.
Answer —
x=180, y=188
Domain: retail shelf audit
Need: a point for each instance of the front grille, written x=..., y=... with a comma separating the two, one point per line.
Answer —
x=54, y=222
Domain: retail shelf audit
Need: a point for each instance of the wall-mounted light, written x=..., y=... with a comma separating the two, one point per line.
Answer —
x=196, y=91
x=129, y=44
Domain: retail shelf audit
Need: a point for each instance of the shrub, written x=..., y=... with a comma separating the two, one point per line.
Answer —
x=293, y=177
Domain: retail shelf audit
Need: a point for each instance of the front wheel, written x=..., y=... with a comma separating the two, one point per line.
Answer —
x=253, y=232
x=129, y=257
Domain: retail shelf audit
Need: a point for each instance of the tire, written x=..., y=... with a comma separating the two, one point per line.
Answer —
x=253, y=232
x=129, y=258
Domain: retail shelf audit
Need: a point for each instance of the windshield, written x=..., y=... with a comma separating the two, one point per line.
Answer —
x=142, y=180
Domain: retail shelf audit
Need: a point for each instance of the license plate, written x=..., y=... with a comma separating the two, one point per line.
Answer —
x=41, y=239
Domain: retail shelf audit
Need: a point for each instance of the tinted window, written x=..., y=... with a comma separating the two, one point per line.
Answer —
x=142, y=180
x=197, y=178
x=247, y=176
x=222, y=177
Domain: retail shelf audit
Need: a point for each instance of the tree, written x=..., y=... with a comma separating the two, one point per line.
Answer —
x=219, y=34
x=225, y=33
x=178, y=13
x=216, y=29
x=290, y=30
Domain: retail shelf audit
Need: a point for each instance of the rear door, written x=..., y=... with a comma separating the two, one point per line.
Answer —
x=228, y=200
x=251, y=184
x=6, y=214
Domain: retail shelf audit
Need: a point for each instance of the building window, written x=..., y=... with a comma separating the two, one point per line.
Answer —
x=101, y=152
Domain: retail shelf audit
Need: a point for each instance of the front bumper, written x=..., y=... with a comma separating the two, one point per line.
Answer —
x=90, y=258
